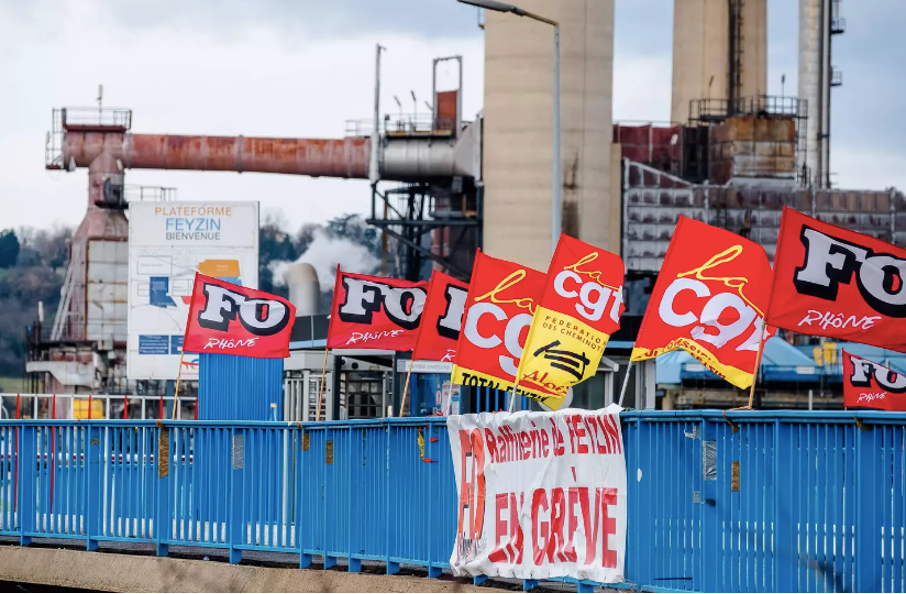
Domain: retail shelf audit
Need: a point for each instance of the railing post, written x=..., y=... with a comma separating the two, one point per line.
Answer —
x=871, y=491
x=355, y=565
x=163, y=523
x=235, y=501
x=28, y=464
x=93, y=500
x=711, y=542
x=392, y=568
x=786, y=531
x=330, y=484
x=433, y=496
x=304, y=445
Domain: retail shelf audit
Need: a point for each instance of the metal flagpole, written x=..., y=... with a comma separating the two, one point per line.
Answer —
x=625, y=382
x=182, y=354
x=406, y=390
x=323, y=377
x=764, y=330
x=512, y=406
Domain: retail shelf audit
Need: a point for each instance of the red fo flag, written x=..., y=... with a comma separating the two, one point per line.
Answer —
x=231, y=320
x=832, y=282
x=499, y=308
x=709, y=300
x=441, y=319
x=374, y=312
x=871, y=385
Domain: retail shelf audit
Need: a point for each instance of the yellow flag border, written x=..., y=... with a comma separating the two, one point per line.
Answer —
x=739, y=378
x=503, y=384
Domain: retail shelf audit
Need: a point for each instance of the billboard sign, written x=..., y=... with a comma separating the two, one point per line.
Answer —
x=168, y=243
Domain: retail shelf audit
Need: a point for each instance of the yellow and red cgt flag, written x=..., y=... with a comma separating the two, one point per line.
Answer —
x=579, y=309
x=709, y=300
x=499, y=308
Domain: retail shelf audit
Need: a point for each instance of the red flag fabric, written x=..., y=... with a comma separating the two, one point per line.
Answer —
x=441, y=322
x=232, y=320
x=709, y=300
x=579, y=309
x=871, y=385
x=832, y=282
x=375, y=312
x=499, y=309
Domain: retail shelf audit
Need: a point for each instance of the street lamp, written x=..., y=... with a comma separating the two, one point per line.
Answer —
x=557, y=199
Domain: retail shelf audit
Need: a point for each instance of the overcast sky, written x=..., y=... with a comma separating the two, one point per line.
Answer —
x=303, y=67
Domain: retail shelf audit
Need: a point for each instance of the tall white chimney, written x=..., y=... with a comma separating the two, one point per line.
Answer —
x=304, y=289
x=819, y=20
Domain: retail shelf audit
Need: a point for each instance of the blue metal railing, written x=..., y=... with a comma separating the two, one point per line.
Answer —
x=754, y=501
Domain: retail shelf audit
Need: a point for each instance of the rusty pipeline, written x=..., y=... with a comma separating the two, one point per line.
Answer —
x=345, y=158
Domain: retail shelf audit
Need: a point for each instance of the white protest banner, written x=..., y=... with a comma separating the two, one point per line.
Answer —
x=541, y=494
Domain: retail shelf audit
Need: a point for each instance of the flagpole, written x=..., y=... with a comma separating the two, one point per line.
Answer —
x=336, y=284
x=625, y=383
x=323, y=377
x=764, y=330
x=512, y=406
x=406, y=389
x=182, y=354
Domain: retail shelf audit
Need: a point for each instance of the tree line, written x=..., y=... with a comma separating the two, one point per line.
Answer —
x=33, y=266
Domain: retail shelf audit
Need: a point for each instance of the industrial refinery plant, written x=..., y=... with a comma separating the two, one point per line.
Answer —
x=445, y=183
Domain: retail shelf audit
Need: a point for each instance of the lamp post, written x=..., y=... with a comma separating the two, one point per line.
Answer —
x=557, y=197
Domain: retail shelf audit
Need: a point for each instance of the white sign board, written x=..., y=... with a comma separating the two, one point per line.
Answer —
x=541, y=494
x=168, y=243
x=403, y=365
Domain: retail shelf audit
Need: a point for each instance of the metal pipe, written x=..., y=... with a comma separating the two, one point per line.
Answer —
x=557, y=201
x=346, y=157
x=809, y=80
x=374, y=174
x=826, y=82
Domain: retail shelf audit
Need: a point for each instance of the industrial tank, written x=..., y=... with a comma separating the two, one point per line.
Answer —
x=518, y=128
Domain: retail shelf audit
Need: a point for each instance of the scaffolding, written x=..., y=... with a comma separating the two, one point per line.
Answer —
x=437, y=223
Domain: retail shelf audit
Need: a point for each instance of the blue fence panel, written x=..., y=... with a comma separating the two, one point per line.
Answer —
x=128, y=494
x=751, y=502
x=9, y=479
x=239, y=388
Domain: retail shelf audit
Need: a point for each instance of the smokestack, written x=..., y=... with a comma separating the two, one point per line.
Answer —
x=816, y=77
x=304, y=288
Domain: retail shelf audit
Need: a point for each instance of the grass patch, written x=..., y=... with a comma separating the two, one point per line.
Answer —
x=12, y=385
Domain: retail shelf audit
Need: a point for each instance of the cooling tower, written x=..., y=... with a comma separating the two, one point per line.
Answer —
x=518, y=129
x=723, y=39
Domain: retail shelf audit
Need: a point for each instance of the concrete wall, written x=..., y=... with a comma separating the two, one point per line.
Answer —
x=519, y=127
x=701, y=46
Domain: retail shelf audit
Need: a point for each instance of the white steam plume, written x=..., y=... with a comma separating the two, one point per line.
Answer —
x=324, y=253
